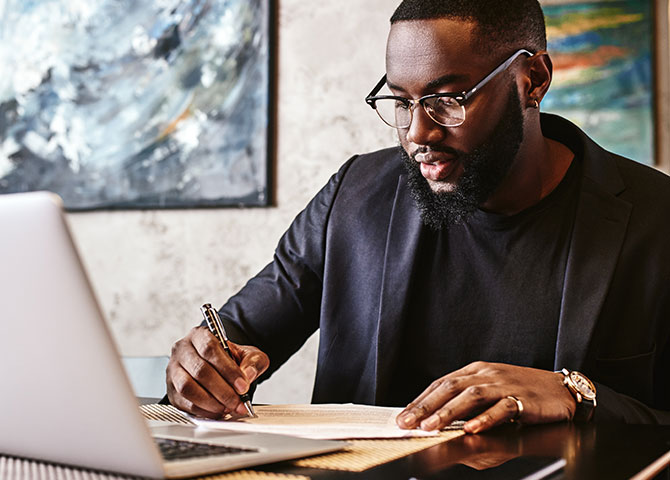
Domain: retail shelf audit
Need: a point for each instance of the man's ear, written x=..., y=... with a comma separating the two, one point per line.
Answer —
x=538, y=78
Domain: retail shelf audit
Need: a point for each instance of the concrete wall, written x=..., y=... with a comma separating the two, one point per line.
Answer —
x=153, y=269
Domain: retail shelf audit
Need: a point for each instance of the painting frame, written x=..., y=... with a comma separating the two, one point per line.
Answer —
x=260, y=176
x=662, y=85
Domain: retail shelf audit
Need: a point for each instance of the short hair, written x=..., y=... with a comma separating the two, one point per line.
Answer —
x=501, y=24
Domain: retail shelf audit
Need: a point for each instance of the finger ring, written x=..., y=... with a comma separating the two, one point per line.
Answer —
x=519, y=408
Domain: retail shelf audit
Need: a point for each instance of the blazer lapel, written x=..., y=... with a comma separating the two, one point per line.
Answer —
x=402, y=245
x=598, y=234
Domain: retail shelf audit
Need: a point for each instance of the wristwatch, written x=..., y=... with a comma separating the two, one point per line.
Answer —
x=584, y=392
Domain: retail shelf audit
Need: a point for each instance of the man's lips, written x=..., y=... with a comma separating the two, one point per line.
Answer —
x=436, y=166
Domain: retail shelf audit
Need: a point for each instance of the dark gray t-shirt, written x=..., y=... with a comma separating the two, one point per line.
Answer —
x=488, y=290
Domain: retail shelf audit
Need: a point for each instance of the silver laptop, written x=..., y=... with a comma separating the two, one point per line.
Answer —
x=64, y=393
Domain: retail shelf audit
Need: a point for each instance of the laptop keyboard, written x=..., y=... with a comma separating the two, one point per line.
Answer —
x=180, y=449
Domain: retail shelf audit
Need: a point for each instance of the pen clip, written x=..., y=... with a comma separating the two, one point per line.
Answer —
x=214, y=323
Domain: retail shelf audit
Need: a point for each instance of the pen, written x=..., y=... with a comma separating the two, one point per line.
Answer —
x=215, y=326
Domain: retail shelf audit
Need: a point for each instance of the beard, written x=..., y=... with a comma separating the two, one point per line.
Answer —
x=484, y=169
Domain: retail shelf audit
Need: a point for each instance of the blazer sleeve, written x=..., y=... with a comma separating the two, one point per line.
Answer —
x=279, y=308
x=617, y=407
x=620, y=408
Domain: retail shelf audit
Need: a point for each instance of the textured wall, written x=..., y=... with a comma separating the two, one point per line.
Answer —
x=153, y=269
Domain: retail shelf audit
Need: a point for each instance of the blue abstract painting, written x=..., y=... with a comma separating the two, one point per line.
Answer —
x=603, y=72
x=127, y=104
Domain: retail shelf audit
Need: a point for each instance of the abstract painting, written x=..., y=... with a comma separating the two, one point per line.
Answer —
x=603, y=74
x=126, y=104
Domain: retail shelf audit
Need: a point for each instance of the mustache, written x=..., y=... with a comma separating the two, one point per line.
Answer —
x=437, y=148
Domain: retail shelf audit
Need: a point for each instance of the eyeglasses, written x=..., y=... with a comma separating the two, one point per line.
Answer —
x=446, y=109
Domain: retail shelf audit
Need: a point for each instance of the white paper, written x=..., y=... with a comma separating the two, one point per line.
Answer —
x=321, y=421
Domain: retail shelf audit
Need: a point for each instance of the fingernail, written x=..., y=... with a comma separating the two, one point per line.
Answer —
x=250, y=373
x=241, y=385
x=430, y=423
x=472, y=426
x=408, y=419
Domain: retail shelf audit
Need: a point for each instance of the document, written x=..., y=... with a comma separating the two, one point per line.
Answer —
x=320, y=421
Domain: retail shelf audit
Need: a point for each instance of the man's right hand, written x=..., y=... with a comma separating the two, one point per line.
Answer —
x=203, y=380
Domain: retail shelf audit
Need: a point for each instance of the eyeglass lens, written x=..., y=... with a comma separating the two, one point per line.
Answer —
x=443, y=110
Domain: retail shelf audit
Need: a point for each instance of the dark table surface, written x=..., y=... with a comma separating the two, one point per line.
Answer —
x=591, y=452
x=602, y=451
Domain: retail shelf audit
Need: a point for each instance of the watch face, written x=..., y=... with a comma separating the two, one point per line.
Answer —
x=583, y=385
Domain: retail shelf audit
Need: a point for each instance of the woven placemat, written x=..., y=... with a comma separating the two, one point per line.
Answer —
x=253, y=475
x=25, y=469
x=364, y=454
x=166, y=413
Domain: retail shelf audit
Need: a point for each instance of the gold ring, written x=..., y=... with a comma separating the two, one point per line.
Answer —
x=519, y=408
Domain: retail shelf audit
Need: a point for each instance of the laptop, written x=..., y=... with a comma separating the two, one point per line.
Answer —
x=65, y=395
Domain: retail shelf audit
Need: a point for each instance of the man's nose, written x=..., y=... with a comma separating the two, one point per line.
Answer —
x=423, y=130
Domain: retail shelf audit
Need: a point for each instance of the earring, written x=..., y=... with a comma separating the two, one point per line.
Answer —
x=536, y=104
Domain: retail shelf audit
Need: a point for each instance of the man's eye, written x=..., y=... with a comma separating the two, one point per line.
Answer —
x=445, y=102
x=399, y=105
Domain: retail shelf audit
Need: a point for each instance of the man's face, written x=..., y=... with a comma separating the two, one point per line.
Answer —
x=452, y=170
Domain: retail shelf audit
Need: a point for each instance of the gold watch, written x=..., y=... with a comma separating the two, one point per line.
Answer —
x=584, y=392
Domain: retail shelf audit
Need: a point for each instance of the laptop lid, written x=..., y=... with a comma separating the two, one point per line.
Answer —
x=66, y=397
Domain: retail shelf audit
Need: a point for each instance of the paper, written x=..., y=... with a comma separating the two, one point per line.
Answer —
x=321, y=421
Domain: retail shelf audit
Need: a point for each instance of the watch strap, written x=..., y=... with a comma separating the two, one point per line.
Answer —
x=585, y=407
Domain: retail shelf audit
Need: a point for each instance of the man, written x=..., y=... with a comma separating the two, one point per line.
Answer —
x=462, y=271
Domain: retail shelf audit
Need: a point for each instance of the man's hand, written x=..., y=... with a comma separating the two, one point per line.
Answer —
x=203, y=380
x=484, y=387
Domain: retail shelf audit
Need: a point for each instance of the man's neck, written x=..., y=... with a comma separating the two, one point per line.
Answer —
x=540, y=166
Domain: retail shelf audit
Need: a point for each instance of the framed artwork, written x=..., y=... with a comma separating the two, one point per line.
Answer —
x=119, y=104
x=603, y=55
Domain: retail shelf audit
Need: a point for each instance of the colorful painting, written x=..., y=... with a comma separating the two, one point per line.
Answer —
x=126, y=104
x=603, y=76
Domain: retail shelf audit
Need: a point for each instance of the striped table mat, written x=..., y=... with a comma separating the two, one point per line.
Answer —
x=364, y=454
x=24, y=469
x=167, y=413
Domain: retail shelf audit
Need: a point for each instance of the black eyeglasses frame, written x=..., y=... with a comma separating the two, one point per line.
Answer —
x=461, y=98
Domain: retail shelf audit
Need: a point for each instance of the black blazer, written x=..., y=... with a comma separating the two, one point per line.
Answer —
x=346, y=263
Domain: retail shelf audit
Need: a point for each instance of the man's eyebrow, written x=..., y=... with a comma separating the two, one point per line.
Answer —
x=446, y=80
x=433, y=84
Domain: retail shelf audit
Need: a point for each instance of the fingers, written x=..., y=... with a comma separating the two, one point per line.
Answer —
x=194, y=384
x=473, y=398
x=437, y=395
x=505, y=410
x=443, y=390
x=202, y=378
x=187, y=395
x=251, y=360
x=209, y=349
x=440, y=413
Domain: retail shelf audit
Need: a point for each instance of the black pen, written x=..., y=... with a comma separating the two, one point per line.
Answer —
x=215, y=326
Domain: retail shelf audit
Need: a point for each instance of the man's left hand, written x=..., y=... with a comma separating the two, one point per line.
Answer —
x=488, y=388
